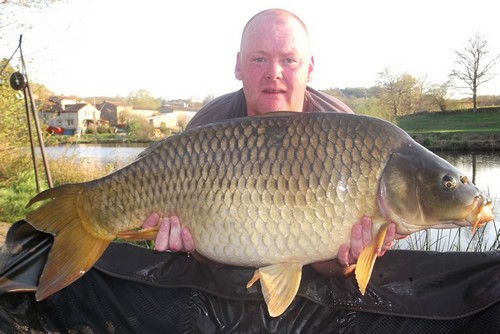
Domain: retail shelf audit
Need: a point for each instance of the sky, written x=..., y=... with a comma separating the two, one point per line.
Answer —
x=187, y=49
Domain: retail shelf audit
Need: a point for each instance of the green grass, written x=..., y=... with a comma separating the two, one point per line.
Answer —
x=454, y=130
x=17, y=178
x=13, y=198
x=451, y=122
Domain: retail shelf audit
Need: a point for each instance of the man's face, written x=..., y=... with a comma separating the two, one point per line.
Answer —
x=274, y=64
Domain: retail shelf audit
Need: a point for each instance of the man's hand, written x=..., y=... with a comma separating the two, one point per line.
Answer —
x=171, y=235
x=361, y=236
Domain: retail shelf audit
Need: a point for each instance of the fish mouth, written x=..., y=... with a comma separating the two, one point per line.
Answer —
x=482, y=214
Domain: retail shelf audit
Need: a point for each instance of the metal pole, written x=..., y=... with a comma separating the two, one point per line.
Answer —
x=40, y=138
x=27, y=94
x=30, y=131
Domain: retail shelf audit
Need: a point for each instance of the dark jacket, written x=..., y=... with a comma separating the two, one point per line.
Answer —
x=234, y=105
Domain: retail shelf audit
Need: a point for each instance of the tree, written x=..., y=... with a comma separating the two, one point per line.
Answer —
x=474, y=66
x=370, y=106
x=401, y=94
x=438, y=94
x=142, y=99
x=139, y=128
x=182, y=121
x=11, y=12
x=13, y=122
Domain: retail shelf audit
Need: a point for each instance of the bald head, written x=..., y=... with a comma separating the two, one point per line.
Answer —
x=269, y=16
x=261, y=23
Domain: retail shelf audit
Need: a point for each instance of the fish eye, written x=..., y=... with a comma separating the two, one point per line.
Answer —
x=449, y=182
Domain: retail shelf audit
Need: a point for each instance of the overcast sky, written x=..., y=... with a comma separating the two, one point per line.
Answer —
x=187, y=49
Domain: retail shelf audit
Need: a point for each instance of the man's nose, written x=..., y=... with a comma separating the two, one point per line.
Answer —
x=274, y=70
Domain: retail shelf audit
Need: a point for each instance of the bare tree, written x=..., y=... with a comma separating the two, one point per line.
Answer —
x=475, y=64
x=438, y=94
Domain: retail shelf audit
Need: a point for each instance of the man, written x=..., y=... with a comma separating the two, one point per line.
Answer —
x=133, y=290
x=275, y=63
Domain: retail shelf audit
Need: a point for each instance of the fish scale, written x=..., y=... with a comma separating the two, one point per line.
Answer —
x=273, y=192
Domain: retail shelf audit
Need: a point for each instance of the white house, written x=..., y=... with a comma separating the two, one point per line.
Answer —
x=70, y=118
x=175, y=121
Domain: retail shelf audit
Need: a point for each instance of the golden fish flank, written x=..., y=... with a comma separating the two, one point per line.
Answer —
x=274, y=192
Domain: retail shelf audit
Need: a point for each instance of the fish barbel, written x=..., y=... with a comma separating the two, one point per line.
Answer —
x=274, y=192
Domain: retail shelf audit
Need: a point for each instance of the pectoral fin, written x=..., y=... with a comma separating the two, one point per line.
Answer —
x=280, y=283
x=148, y=233
x=367, y=258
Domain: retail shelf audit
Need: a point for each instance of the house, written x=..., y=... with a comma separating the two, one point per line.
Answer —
x=175, y=121
x=68, y=116
x=146, y=113
x=116, y=113
x=173, y=117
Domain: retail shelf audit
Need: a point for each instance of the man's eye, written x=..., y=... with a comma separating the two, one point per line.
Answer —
x=259, y=60
x=289, y=61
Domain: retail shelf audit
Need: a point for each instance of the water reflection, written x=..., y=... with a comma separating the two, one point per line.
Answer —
x=119, y=154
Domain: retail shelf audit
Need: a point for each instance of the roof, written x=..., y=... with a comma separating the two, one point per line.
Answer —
x=67, y=108
x=114, y=103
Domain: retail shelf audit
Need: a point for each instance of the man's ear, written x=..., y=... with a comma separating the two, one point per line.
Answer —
x=311, y=69
x=237, y=68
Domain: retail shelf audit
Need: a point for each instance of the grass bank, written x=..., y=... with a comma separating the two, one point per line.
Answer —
x=106, y=138
x=17, y=178
x=465, y=130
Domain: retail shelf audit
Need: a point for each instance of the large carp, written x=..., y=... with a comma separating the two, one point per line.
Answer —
x=273, y=192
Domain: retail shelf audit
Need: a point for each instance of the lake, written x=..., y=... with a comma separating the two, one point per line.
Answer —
x=120, y=154
x=482, y=167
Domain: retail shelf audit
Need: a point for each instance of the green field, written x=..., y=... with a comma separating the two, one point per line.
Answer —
x=480, y=121
x=454, y=130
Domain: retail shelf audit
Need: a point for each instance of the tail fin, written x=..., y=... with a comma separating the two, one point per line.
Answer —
x=75, y=249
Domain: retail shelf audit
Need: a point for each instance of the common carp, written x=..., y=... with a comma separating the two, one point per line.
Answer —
x=275, y=192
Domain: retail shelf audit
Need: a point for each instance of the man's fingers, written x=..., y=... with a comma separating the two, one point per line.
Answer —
x=162, y=238
x=356, y=245
x=175, y=240
x=187, y=240
x=366, y=230
x=389, y=239
x=151, y=221
x=171, y=235
x=343, y=255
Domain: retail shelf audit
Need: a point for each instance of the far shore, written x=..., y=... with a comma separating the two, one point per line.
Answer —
x=434, y=141
x=459, y=141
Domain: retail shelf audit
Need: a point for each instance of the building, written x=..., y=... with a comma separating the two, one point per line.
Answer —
x=69, y=116
x=116, y=113
x=173, y=117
